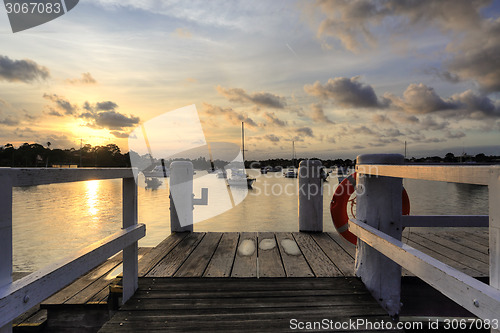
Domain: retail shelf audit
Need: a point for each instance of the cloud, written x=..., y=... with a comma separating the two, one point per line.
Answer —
x=381, y=119
x=382, y=142
x=318, y=114
x=443, y=75
x=305, y=131
x=393, y=132
x=182, y=33
x=429, y=123
x=358, y=24
x=106, y=106
x=263, y=99
x=9, y=121
x=350, y=93
x=61, y=104
x=120, y=135
x=111, y=120
x=232, y=116
x=421, y=99
x=363, y=130
x=456, y=135
x=406, y=118
x=272, y=119
x=272, y=138
x=477, y=105
x=86, y=79
x=474, y=44
x=475, y=56
x=21, y=70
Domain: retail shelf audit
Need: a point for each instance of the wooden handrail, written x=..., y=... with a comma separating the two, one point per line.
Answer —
x=18, y=297
x=456, y=174
x=479, y=298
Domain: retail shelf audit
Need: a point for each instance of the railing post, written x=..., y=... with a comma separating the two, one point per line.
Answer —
x=494, y=229
x=379, y=205
x=181, y=196
x=310, y=196
x=5, y=235
x=130, y=253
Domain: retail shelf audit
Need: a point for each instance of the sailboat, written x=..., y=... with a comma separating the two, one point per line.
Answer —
x=291, y=172
x=239, y=177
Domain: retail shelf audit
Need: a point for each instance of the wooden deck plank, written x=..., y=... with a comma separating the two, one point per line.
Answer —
x=147, y=262
x=249, y=284
x=451, y=255
x=223, y=258
x=319, y=262
x=247, y=302
x=342, y=260
x=269, y=259
x=295, y=264
x=176, y=257
x=245, y=261
x=457, y=265
x=80, y=284
x=223, y=304
x=459, y=246
x=198, y=260
x=262, y=322
x=348, y=247
x=466, y=239
x=101, y=283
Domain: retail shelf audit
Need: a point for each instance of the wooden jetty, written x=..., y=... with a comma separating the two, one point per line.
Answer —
x=258, y=291
x=198, y=281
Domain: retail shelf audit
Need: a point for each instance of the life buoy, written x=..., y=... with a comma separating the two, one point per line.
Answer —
x=340, y=200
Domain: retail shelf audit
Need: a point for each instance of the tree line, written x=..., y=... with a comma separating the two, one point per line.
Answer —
x=37, y=155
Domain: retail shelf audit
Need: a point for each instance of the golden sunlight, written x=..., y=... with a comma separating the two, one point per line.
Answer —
x=92, y=197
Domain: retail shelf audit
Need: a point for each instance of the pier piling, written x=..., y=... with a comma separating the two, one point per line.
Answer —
x=310, y=196
x=181, y=196
x=379, y=205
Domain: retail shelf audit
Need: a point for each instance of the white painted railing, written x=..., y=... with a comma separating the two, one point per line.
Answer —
x=19, y=296
x=379, y=223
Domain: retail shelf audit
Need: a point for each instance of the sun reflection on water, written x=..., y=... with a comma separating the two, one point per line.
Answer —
x=92, y=195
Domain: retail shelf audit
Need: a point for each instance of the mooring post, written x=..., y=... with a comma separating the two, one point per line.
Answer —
x=378, y=204
x=494, y=229
x=5, y=235
x=130, y=253
x=181, y=196
x=310, y=196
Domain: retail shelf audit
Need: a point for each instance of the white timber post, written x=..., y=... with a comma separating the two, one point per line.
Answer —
x=130, y=253
x=5, y=235
x=494, y=229
x=310, y=196
x=378, y=204
x=181, y=196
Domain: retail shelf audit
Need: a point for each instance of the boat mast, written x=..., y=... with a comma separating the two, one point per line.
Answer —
x=293, y=153
x=243, y=140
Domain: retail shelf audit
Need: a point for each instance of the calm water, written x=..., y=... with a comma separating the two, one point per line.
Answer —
x=52, y=221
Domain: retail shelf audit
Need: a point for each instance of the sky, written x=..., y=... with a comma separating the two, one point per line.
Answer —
x=338, y=78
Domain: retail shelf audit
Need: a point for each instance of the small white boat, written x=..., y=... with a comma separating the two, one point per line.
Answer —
x=221, y=173
x=290, y=173
x=157, y=171
x=240, y=178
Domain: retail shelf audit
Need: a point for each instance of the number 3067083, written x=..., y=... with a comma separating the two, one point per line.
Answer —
x=33, y=8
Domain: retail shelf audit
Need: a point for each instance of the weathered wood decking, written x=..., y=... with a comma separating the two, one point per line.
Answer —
x=242, y=305
x=303, y=273
x=319, y=254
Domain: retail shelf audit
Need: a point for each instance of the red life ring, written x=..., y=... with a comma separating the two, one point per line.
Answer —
x=338, y=207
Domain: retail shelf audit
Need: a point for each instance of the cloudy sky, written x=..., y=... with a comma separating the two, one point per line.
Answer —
x=339, y=78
